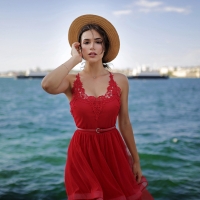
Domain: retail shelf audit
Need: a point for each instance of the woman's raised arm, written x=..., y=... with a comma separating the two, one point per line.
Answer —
x=57, y=80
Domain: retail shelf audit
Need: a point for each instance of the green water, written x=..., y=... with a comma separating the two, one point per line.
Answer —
x=36, y=127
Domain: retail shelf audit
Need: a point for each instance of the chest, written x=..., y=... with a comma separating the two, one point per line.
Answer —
x=95, y=87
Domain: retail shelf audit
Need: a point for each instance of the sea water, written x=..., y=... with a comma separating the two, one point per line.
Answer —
x=36, y=128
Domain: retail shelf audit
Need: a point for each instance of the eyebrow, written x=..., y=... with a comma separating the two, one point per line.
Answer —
x=94, y=39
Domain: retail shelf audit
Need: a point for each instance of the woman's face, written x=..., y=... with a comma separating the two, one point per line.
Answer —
x=92, y=46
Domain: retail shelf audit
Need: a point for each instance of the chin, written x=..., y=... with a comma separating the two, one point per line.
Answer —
x=94, y=60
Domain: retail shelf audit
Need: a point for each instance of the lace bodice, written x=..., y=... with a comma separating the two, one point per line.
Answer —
x=96, y=104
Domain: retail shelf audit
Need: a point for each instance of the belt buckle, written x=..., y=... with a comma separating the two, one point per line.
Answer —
x=97, y=130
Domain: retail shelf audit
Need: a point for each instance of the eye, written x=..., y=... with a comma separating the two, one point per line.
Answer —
x=99, y=41
x=85, y=42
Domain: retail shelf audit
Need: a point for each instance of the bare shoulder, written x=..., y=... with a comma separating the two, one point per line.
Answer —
x=121, y=80
x=120, y=77
x=71, y=78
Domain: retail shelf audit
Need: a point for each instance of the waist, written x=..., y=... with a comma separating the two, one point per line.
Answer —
x=97, y=130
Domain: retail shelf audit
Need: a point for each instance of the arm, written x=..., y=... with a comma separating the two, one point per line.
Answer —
x=57, y=81
x=126, y=128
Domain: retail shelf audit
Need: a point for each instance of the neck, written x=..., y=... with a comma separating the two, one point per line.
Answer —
x=94, y=69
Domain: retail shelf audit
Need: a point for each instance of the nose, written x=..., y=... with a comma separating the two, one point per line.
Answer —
x=92, y=45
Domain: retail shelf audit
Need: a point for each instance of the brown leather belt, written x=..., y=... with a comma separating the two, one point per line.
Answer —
x=97, y=130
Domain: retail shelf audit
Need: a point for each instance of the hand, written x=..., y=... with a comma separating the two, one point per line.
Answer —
x=137, y=171
x=76, y=50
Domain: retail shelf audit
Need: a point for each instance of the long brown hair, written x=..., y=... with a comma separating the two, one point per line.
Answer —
x=102, y=33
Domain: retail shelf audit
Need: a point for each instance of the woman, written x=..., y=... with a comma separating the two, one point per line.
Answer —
x=98, y=164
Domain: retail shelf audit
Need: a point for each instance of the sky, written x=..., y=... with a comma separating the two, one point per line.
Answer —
x=34, y=33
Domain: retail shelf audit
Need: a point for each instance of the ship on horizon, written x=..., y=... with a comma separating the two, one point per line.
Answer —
x=37, y=73
x=147, y=73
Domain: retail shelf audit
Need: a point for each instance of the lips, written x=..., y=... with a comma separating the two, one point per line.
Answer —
x=92, y=54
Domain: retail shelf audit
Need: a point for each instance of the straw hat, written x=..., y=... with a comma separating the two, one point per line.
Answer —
x=110, y=30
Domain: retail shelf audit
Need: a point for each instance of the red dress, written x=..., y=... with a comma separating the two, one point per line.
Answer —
x=98, y=164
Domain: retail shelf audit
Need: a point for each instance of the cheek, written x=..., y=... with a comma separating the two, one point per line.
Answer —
x=83, y=49
x=99, y=48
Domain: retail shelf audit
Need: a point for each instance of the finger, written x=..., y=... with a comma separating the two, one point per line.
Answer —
x=76, y=44
x=139, y=179
x=135, y=175
x=136, y=178
x=78, y=48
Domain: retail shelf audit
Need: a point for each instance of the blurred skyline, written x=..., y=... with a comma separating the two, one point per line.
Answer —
x=34, y=33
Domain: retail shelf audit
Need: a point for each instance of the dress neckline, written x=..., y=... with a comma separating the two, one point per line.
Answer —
x=92, y=96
